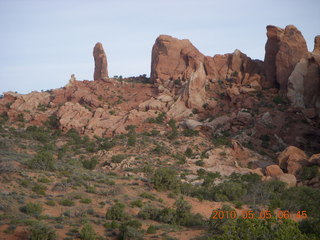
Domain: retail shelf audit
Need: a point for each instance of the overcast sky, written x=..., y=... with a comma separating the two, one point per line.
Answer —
x=43, y=42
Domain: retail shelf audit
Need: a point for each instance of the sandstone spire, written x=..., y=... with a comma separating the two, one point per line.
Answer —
x=100, y=61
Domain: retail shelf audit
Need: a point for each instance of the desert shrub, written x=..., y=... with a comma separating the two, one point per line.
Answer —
x=152, y=229
x=20, y=117
x=86, y=200
x=189, y=133
x=118, y=158
x=132, y=135
x=221, y=141
x=52, y=122
x=299, y=199
x=41, y=231
x=160, y=149
x=107, y=144
x=34, y=209
x=307, y=173
x=51, y=203
x=116, y=212
x=165, y=179
x=43, y=160
x=43, y=180
x=136, y=203
x=188, y=152
x=199, y=163
x=67, y=202
x=38, y=133
x=180, y=157
x=88, y=233
x=128, y=232
x=158, y=120
x=148, y=196
x=173, y=134
x=90, y=163
x=261, y=229
x=39, y=189
x=278, y=100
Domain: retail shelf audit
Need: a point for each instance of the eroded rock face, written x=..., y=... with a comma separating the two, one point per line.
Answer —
x=284, y=49
x=101, y=64
x=304, y=84
x=174, y=59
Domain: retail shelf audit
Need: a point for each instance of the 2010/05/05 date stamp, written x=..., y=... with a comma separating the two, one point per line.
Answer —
x=264, y=214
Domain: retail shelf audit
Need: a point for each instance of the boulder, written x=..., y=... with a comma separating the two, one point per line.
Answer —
x=244, y=117
x=273, y=171
x=101, y=64
x=315, y=159
x=292, y=159
x=289, y=179
x=73, y=115
x=283, y=50
x=192, y=124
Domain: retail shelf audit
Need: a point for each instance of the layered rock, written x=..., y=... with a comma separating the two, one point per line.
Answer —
x=101, y=64
x=283, y=50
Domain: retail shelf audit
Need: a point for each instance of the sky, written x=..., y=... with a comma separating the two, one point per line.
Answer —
x=43, y=42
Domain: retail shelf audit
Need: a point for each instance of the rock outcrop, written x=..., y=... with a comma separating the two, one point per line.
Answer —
x=283, y=50
x=304, y=84
x=316, y=49
x=180, y=68
x=292, y=159
x=101, y=64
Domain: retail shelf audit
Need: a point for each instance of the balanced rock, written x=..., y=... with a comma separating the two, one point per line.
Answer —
x=101, y=64
x=283, y=50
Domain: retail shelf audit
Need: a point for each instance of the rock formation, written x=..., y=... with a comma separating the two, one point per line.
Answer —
x=177, y=62
x=316, y=49
x=283, y=50
x=101, y=64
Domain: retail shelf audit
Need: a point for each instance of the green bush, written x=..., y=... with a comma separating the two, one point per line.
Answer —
x=116, y=212
x=88, y=233
x=188, y=153
x=34, y=209
x=148, y=196
x=165, y=179
x=152, y=229
x=90, y=164
x=86, y=200
x=190, y=133
x=261, y=229
x=39, y=189
x=307, y=173
x=43, y=160
x=136, y=203
x=41, y=231
x=67, y=202
x=118, y=158
x=158, y=120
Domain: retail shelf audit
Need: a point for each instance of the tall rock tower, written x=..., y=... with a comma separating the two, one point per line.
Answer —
x=101, y=64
